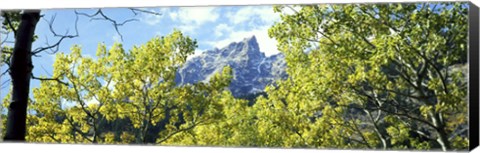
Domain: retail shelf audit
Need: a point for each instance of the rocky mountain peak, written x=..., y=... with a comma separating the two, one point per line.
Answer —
x=246, y=48
x=252, y=69
x=252, y=42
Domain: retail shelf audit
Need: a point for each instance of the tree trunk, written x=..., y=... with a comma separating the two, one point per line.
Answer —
x=20, y=72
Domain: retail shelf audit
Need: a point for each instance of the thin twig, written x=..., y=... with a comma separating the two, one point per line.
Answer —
x=6, y=38
x=5, y=82
x=99, y=15
x=55, y=47
x=45, y=70
x=134, y=10
x=6, y=71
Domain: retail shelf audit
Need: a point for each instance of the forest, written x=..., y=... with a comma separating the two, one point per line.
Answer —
x=360, y=76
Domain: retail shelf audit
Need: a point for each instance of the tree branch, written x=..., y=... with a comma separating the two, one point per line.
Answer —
x=6, y=71
x=84, y=135
x=5, y=82
x=54, y=47
x=408, y=116
x=458, y=133
x=424, y=134
x=82, y=103
x=134, y=10
x=178, y=131
x=99, y=15
x=382, y=137
x=45, y=70
x=7, y=18
x=291, y=8
x=356, y=33
x=49, y=79
x=6, y=38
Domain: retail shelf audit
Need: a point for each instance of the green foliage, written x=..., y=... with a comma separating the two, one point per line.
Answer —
x=376, y=76
x=391, y=65
x=11, y=19
x=136, y=88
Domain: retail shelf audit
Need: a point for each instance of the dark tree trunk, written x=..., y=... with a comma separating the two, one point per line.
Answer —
x=20, y=72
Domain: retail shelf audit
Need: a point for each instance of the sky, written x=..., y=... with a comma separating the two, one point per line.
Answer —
x=212, y=27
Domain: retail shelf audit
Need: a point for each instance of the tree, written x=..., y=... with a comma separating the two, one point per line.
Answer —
x=19, y=60
x=146, y=93
x=88, y=95
x=360, y=76
x=377, y=75
x=20, y=72
x=225, y=121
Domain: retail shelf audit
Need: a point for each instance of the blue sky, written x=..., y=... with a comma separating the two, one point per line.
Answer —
x=210, y=26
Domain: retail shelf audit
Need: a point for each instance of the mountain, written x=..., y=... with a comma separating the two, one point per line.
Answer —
x=252, y=69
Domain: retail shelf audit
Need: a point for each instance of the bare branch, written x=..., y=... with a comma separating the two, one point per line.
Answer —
x=45, y=70
x=6, y=71
x=6, y=38
x=5, y=82
x=54, y=47
x=99, y=15
x=134, y=10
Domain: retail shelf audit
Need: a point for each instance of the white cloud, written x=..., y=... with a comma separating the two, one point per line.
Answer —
x=190, y=18
x=173, y=15
x=221, y=29
x=197, y=52
x=195, y=15
x=245, y=14
x=187, y=28
x=248, y=15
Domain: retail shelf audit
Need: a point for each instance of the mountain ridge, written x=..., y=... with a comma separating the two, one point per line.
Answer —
x=252, y=70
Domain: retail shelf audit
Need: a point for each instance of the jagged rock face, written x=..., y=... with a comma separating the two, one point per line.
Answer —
x=252, y=69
